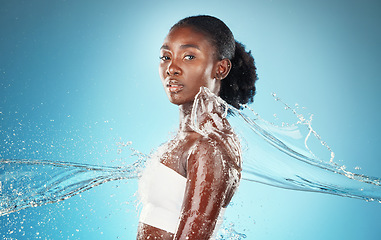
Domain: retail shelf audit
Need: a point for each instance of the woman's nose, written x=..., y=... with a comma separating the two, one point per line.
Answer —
x=173, y=69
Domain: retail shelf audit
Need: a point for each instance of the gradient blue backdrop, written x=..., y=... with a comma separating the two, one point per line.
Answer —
x=78, y=77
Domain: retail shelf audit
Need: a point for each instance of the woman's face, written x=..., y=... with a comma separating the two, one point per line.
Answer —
x=187, y=62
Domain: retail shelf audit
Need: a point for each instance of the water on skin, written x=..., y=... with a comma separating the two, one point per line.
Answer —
x=277, y=155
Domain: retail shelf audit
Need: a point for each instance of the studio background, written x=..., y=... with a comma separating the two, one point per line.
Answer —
x=78, y=79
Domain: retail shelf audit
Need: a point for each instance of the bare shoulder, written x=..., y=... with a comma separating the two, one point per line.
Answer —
x=216, y=163
x=217, y=147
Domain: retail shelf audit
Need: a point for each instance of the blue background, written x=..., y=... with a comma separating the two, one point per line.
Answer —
x=79, y=77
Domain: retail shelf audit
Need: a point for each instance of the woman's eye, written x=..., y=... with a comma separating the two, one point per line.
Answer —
x=164, y=58
x=189, y=57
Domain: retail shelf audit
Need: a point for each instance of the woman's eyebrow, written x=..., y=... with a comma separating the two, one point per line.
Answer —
x=190, y=46
x=166, y=47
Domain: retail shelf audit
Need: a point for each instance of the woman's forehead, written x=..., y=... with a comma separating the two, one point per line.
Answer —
x=185, y=37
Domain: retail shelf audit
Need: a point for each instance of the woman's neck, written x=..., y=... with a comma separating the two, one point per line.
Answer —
x=185, y=111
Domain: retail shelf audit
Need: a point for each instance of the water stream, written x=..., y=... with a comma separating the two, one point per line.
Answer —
x=276, y=155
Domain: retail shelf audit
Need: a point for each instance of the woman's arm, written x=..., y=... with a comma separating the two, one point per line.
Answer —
x=211, y=181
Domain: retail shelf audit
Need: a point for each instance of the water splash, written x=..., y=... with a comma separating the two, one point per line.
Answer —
x=280, y=156
x=277, y=155
x=32, y=183
x=228, y=232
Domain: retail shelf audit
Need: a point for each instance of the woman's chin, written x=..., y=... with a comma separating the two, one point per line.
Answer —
x=176, y=101
x=179, y=99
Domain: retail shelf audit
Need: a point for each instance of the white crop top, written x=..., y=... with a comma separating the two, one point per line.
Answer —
x=161, y=191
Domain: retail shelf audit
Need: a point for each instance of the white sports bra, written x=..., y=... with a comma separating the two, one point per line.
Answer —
x=161, y=191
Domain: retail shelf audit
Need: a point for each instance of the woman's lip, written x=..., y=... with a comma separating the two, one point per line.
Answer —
x=175, y=88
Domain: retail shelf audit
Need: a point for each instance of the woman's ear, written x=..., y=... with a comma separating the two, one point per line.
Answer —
x=223, y=68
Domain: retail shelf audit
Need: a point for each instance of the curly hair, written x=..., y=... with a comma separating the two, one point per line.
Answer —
x=239, y=85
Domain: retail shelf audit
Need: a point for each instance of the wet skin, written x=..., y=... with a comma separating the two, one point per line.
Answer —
x=210, y=164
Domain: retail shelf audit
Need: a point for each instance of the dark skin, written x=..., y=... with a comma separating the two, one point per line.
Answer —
x=209, y=163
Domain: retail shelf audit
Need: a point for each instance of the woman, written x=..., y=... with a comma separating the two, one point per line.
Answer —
x=192, y=178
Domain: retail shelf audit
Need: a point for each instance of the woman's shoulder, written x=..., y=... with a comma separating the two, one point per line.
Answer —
x=223, y=144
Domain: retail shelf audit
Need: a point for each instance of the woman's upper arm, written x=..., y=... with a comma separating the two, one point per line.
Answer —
x=208, y=184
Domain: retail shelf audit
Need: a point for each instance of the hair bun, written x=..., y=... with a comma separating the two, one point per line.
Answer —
x=239, y=86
